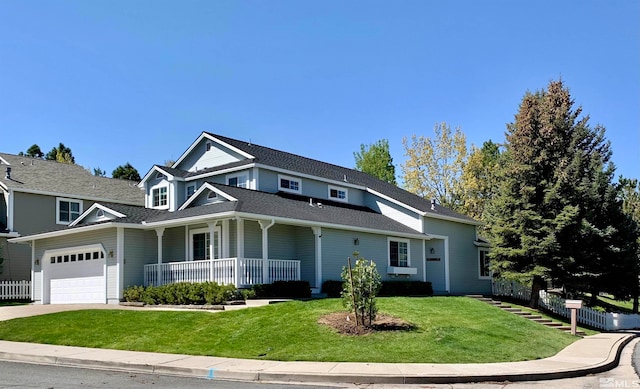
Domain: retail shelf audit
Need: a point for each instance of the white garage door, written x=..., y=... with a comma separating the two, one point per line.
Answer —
x=76, y=276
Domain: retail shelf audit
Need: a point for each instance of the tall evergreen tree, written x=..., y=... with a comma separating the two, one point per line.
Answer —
x=61, y=154
x=375, y=159
x=126, y=172
x=556, y=179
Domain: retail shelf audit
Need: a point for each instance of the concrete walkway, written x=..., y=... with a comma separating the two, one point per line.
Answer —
x=593, y=354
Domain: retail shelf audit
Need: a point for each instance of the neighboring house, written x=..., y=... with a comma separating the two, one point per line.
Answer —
x=235, y=212
x=38, y=195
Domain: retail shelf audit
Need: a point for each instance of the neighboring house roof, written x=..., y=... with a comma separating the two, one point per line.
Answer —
x=66, y=180
x=283, y=207
x=292, y=162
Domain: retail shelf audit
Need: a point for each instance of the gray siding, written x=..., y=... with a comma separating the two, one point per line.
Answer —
x=463, y=256
x=17, y=261
x=252, y=239
x=173, y=244
x=268, y=181
x=305, y=252
x=393, y=211
x=3, y=210
x=200, y=158
x=140, y=248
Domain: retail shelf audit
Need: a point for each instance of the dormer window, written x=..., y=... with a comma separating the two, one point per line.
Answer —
x=289, y=184
x=100, y=214
x=338, y=194
x=160, y=198
x=159, y=176
x=212, y=196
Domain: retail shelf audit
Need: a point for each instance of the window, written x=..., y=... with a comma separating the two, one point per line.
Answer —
x=100, y=214
x=484, y=262
x=398, y=253
x=208, y=146
x=239, y=181
x=159, y=176
x=68, y=210
x=77, y=255
x=289, y=184
x=191, y=189
x=160, y=197
x=202, y=246
x=339, y=194
x=212, y=195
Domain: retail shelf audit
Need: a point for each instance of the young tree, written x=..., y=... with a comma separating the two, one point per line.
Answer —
x=126, y=172
x=553, y=217
x=479, y=181
x=99, y=172
x=375, y=159
x=61, y=154
x=434, y=165
x=361, y=284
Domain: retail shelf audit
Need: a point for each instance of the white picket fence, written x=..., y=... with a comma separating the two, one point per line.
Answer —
x=607, y=321
x=15, y=290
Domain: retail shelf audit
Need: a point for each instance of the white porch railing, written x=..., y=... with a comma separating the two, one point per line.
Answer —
x=241, y=272
x=602, y=320
x=15, y=290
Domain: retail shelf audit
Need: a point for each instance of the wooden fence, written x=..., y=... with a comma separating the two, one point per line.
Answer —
x=15, y=290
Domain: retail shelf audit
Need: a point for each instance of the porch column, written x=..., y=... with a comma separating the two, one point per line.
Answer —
x=159, y=232
x=317, y=231
x=225, y=239
x=265, y=249
x=212, y=231
x=239, y=250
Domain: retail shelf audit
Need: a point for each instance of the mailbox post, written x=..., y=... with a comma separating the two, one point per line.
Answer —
x=574, y=305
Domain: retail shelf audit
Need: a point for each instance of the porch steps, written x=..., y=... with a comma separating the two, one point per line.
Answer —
x=527, y=315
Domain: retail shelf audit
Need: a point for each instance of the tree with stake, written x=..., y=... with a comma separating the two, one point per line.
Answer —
x=359, y=290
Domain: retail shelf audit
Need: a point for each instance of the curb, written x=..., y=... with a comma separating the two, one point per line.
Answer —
x=260, y=375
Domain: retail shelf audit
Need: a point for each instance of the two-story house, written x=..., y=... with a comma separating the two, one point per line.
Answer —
x=38, y=195
x=235, y=212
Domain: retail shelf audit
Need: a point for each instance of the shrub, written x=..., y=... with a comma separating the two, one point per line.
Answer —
x=361, y=284
x=405, y=288
x=282, y=289
x=332, y=288
x=182, y=293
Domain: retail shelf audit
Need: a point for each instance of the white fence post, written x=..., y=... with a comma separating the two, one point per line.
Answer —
x=15, y=290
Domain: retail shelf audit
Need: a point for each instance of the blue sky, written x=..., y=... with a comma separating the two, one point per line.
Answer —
x=138, y=81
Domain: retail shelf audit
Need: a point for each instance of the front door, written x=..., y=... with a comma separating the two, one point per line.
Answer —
x=202, y=245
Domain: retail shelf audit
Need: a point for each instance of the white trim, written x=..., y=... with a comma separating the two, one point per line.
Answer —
x=156, y=168
x=204, y=187
x=67, y=200
x=93, y=227
x=289, y=179
x=256, y=178
x=33, y=271
x=8, y=196
x=317, y=233
x=4, y=161
x=396, y=202
x=9, y=235
x=249, y=165
x=93, y=208
x=213, y=139
x=73, y=250
x=480, y=276
x=120, y=261
x=338, y=189
x=205, y=230
x=309, y=176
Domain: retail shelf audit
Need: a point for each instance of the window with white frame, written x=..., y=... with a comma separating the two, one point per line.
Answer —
x=239, y=180
x=289, y=184
x=337, y=193
x=484, y=264
x=160, y=198
x=191, y=189
x=159, y=176
x=67, y=210
x=398, y=252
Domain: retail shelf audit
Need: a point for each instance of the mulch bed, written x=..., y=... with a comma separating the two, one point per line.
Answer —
x=345, y=323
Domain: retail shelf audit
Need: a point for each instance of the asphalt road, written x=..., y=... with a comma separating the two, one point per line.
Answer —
x=25, y=375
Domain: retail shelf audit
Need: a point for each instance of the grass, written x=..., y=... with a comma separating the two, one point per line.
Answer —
x=612, y=305
x=449, y=330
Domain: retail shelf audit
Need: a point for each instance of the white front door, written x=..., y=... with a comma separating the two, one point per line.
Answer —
x=201, y=245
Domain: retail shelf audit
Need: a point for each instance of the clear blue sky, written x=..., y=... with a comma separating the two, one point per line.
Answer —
x=137, y=81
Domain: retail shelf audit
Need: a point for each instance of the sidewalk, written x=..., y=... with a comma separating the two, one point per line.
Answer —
x=593, y=354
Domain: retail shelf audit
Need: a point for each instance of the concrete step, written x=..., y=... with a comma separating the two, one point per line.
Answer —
x=553, y=324
x=538, y=318
x=512, y=310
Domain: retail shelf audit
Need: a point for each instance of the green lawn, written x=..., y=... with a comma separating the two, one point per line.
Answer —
x=449, y=330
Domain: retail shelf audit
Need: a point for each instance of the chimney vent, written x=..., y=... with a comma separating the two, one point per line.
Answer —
x=8, y=175
x=433, y=204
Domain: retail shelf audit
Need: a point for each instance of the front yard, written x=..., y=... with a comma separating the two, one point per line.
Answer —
x=447, y=330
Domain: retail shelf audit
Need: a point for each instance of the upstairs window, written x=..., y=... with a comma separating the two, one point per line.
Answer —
x=289, y=184
x=338, y=194
x=67, y=210
x=398, y=253
x=239, y=180
x=160, y=198
x=191, y=189
x=483, y=263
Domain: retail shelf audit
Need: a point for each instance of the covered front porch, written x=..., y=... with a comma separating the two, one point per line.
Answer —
x=241, y=272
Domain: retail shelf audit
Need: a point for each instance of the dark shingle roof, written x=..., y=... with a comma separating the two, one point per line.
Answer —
x=293, y=162
x=41, y=176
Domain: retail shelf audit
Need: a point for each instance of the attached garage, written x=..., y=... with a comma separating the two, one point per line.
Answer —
x=74, y=275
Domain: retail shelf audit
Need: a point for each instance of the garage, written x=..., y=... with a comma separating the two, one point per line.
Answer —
x=75, y=275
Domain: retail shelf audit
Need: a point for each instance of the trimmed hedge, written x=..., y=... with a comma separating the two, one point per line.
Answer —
x=183, y=293
x=281, y=289
x=389, y=288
